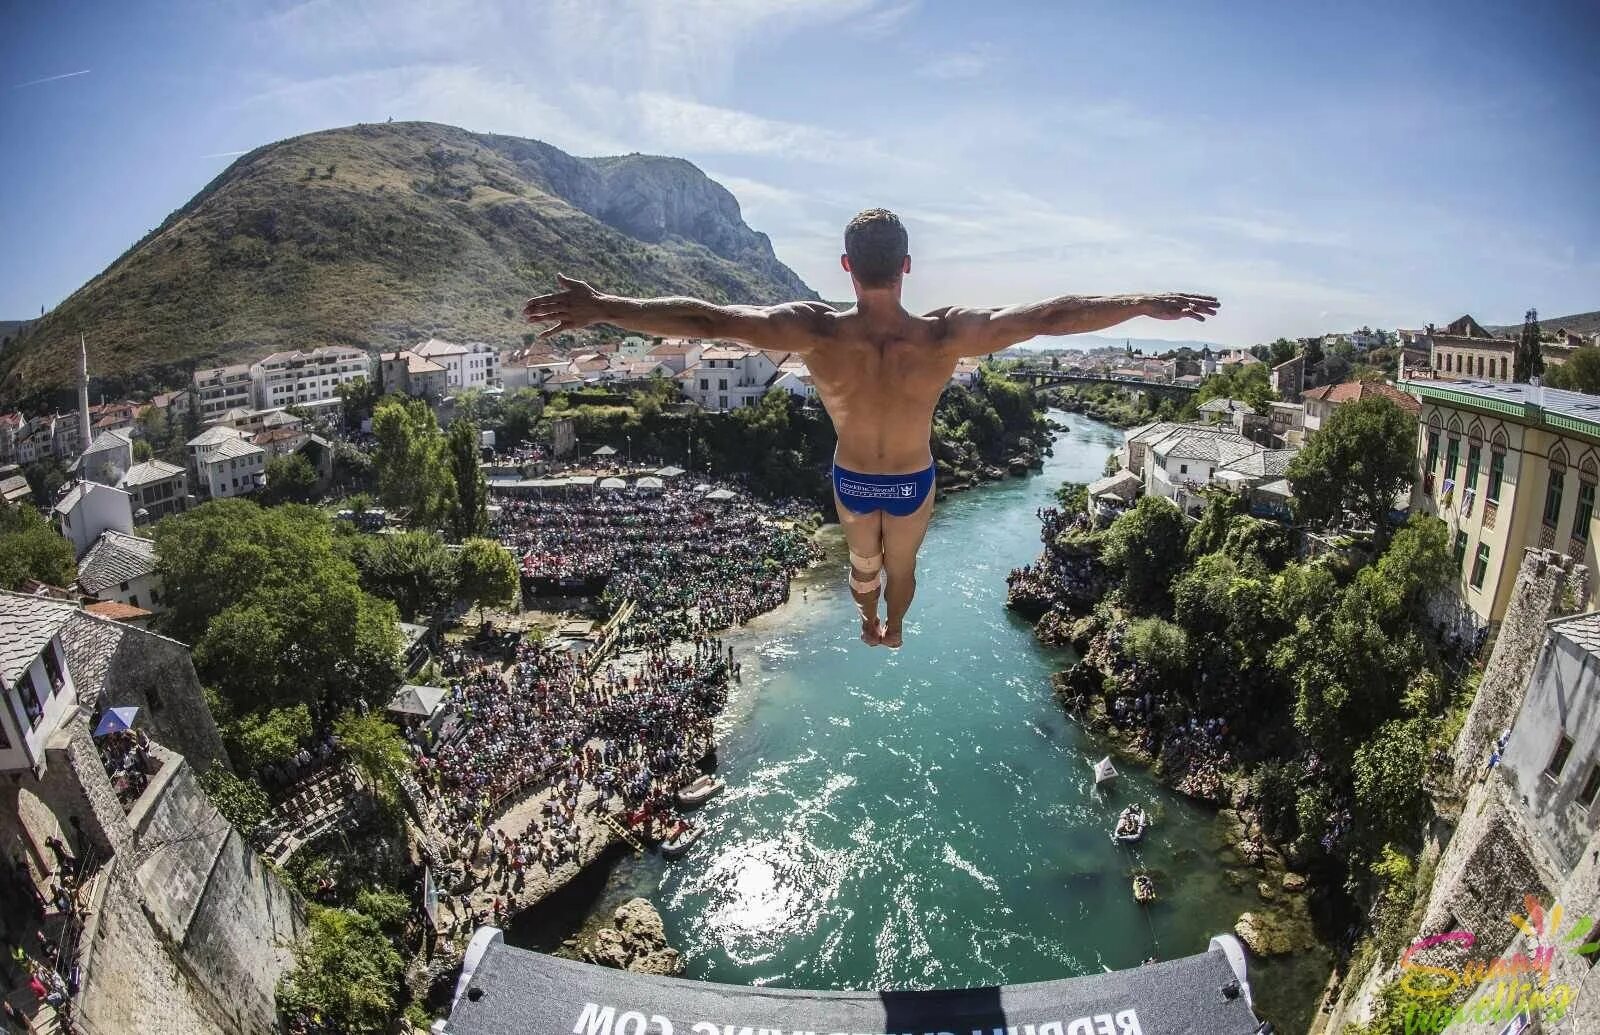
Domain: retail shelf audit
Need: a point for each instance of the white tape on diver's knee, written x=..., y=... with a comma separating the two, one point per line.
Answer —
x=870, y=565
x=868, y=586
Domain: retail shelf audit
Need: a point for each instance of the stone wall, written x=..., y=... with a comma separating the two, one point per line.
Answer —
x=1542, y=585
x=194, y=931
x=115, y=664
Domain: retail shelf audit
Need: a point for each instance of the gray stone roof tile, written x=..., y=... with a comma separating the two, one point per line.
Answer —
x=28, y=623
x=115, y=557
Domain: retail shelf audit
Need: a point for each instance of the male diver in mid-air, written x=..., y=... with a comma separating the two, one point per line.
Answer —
x=880, y=371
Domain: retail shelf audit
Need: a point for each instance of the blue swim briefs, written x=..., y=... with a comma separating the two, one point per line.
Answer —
x=898, y=495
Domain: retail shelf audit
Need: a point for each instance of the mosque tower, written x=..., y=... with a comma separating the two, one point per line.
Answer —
x=83, y=394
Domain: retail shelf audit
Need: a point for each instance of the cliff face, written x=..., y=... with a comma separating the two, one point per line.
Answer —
x=377, y=235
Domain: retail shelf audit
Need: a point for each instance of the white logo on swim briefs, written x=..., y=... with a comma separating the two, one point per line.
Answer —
x=850, y=488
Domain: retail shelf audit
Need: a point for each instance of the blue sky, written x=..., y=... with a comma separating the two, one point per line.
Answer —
x=1315, y=166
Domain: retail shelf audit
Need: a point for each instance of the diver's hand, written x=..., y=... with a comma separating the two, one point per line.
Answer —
x=1180, y=307
x=575, y=305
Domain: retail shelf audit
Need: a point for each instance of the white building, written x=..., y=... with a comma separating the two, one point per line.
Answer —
x=37, y=690
x=220, y=389
x=473, y=365
x=108, y=457
x=728, y=377
x=203, y=445
x=234, y=468
x=677, y=353
x=89, y=509
x=309, y=379
x=795, y=378
x=965, y=375
x=122, y=568
x=157, y=487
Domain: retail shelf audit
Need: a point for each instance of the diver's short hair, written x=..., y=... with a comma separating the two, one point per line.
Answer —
x=876, y=242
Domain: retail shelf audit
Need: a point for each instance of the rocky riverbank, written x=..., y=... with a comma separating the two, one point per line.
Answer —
x=1110, y=696
x=636, y=941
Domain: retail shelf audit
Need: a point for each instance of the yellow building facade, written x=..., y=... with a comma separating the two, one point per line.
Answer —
x=1507, y=467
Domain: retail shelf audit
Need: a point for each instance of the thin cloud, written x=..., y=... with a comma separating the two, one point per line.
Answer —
x=964, y=64
x=51, y=78
x=226, y=154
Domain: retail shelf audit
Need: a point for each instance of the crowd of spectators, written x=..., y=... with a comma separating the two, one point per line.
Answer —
x=691, y=565
x=621, y=740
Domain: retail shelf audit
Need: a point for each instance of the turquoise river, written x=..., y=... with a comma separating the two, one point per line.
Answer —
x=928, y=818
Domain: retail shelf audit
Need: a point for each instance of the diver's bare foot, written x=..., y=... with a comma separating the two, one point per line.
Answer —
x=890, y=637
x=871, y=632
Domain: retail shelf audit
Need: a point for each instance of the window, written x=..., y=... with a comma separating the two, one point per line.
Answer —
x=1461, y=549
x=30, y=699
x=52, y=668
x=1552, y=496
x=1183, y=468
x=1433, y=450
x=722, y=401
x=1591, y=787
x=722, y=384
x=1502, y=368
x=1480, y=567
x=1584, y=513
x=134, y=600
x=1474, y=454
x=5, y=741
x=1451, y=457
x=1497, y=474
x=1558, y=761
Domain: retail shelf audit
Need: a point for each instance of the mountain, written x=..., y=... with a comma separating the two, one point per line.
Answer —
x=380, y=235
x=1578, y=323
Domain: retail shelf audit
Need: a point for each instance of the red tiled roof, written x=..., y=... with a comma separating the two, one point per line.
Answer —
x=1349, y=391
x=116, y=611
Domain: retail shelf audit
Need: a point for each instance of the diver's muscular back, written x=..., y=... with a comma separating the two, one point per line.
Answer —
x=880, y=378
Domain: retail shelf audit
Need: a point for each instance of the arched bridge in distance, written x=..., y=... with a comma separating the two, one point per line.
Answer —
x=1046, y=377
x=509, y=991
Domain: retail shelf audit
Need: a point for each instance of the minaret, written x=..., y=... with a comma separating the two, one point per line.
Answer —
x=83, y=394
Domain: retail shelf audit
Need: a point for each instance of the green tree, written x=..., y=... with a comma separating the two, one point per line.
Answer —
x=356, y=401
x=1528, y=362
x=413, y=463
x=519, y=415
x=320, y=642
x=1359, y=462
x=31, y=549
x=241, y=802
x=1144, y=547
x=1580, y=373
x=1387, y=773
x=413, y=569
x=1248, y=382
x=1282, y=351
x=269, y=735
x=472, y=490
x=142, y=450
x=377, y=750
x=487, y=574
x=346, y=971
x=1211, y=531
x=1159, y=644
x=290, y=478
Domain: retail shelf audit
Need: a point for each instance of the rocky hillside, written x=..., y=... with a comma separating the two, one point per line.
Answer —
x=377, y=235
x=1577, y=323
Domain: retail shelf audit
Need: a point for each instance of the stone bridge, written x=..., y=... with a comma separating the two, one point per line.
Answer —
x=1044, y=377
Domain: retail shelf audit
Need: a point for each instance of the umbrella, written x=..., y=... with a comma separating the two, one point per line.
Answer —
x=648, y=483
x=613, y=483
x=605, y=451
x=116, y=720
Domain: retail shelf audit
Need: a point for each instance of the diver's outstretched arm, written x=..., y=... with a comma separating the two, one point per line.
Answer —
x=792, y=327
x=976, y=331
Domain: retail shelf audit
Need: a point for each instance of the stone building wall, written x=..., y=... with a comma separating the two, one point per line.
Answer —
x=114, y=664
x=1543, y=583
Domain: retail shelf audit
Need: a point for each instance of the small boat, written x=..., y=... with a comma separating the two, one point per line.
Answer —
x=699, y=791
x=1130, y=826
x=1104, y=770
x=679, y=843
x=1144, y=889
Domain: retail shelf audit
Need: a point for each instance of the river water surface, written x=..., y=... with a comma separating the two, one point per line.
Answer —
x=928, y=817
